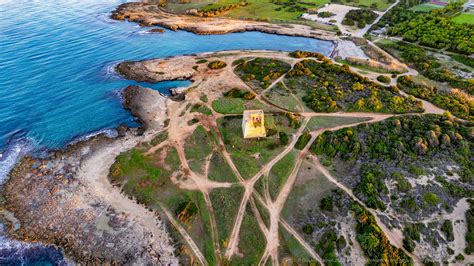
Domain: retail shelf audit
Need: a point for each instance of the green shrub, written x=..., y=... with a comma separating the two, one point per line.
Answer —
x=326, y=204
x=373, y=241
x=306, y=54
x=308, y=229
x=402, y=183
x=409, y=245
x=383, y=79
x=217, y=64
x=463, y=59
x=447, y=229
x=431, y=198
x=302, y=141
x=239, y=93
x=361, y=16
x=470, y=229
x=283, y=138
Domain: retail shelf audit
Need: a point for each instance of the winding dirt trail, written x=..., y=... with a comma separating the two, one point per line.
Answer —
x=179, y=131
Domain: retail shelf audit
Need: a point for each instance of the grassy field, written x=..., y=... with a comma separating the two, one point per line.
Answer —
x=310, y=187
x=281, y=96
x=266, y=9
x=320, y=122
x=178, y=8
x=465, y=18
x=280, y=172
x=252, y=241
x=380, y=5
x=219, y=170
x=197, y=148
x=226, y=202
x=290, y=248
x=426, y=7
x=226, y=105
x=248, y=154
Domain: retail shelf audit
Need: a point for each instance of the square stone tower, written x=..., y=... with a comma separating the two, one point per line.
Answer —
x=253, y=124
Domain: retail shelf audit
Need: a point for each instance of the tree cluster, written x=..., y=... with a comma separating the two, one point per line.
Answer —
x=434, y=29
x=361, y=17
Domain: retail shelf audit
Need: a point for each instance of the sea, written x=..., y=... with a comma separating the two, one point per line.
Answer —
x=58, y=84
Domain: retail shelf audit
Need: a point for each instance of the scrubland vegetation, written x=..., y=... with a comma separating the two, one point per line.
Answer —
x=403, y=147
x=374, y=243
x=428, y=66
x=470, y=228
x=455, y=101
x=259, y=73
x=217, y=64
x=332, y=88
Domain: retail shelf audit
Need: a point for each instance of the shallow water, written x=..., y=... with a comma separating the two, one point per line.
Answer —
x=56, y=68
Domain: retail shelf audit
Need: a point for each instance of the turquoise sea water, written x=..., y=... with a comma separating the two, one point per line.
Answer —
x=56, y=68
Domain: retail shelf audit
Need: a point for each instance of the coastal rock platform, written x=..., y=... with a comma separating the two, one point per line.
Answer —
x=65, y=199
x=147, y=14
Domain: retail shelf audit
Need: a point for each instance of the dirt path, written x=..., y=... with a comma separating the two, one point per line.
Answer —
x=394, y=237
x=275, y=207
x=179, y=130
x=186, y=237
x=249, y=186
x=362, y=32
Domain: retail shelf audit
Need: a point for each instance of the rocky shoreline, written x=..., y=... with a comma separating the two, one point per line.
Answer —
x=146, y=14
x=66, y=199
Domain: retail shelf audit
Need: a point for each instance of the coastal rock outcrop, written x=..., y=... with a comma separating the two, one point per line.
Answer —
x=157, y=70
x=151, y=14
x=66, y=199
x=147, y=105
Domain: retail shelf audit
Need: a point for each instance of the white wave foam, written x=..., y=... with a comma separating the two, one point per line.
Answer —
x=105, y=17
x=109, y=72
x=14, y=151
x=109, y=132
x=143, y=32
x=14, y=252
